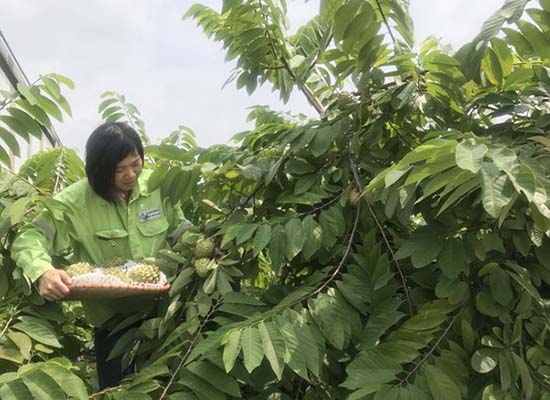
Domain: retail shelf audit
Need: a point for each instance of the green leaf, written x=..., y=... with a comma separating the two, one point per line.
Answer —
x=343, y=17
x=22, y=341
x=501, y=286
x=52, y=87
x=371, y=366
x=42, y=386
x=442, y=387
x=27, y=121
x=15, y=390
x=232, y=349
x=313, y=237
x=484, y=360
x=71, y=384
x=423, y=247
x=496, y=189
x=470, y=157
x=15, y=126
x=211, y=373
x=537, y=39
x=323, y=139
x=272, y=354
x=524, y=180
x=355, y=28
x=49, y=107
x=245, y=232
x=406, y=96
x=452, y=258
x=295, y=238
x=504, y=56
x=252, y=348
x=11, y=141
x=261, y=239
x=38, y=329
x=526, y=380
x=105, y=103
x=490, y=65
x=333, y=225
x=293, y=356
x=277, y=247
x=18, y=208
x=203, y=389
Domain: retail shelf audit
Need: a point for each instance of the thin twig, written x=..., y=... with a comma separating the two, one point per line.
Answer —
x=12, y=316
x=313, y=100
x=105, y=391
x=187, y=353
x=325, y=205
x=386, y=23
x=383, y=233
x=58, y=171
x=342, y=261
x=428, y=354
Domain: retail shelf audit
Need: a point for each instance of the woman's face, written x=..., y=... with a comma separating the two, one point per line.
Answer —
x=127, y=172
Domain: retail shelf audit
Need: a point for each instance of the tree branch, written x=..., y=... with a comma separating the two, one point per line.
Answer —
x=429, y=353
x=386, y=23
x=386, y=241
x=313, y=100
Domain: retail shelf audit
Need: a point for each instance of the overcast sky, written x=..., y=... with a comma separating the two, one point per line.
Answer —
x=166, y=66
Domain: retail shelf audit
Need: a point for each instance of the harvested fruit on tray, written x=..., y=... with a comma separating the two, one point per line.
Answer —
x=115, y=278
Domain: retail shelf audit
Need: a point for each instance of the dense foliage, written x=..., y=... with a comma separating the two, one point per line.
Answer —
x=395, y=247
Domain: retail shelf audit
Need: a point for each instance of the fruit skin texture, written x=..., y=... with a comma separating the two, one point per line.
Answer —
x=79, y=269
x=202, y=266
x=116, y=272
x=204, y=248
x=354, y=197
x=114, y=262
x=144, y=273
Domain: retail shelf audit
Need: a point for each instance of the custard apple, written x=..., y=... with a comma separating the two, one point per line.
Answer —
x=203, y=266
x=204, y=248
x=354, y=197
x=79, y=268
x=117, y=273
x=144, y=273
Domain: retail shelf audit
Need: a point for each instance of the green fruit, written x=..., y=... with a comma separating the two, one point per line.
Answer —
x=354, y=197
x=114, y=262
x=344, y=99
x=117, y=273
x=204, y=248
x=203, y=266
x=79, y=268
x=144, y=273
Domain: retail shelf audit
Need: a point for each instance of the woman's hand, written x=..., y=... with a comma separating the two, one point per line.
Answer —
x=52, y=285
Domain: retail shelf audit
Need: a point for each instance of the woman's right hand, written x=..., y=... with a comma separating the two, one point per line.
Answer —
x=52, y=284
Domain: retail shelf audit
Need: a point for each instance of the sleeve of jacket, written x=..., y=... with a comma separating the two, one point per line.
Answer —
x=35, y=243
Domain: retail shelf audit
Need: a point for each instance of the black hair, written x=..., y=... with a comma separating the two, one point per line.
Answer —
x=109, y=143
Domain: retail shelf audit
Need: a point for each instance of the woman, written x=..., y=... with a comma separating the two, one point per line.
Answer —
x=111, y=214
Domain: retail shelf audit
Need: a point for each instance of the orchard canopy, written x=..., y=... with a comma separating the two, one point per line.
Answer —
x=397, y=246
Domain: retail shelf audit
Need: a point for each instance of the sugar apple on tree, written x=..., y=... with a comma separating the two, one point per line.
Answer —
x=79, y=268
x=145, y=273
x=114, y=262
x=204, y=248
x=354, y=197
x=117, y=273
x=203, y=266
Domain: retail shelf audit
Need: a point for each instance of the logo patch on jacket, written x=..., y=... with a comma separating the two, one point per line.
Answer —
x=148, y=215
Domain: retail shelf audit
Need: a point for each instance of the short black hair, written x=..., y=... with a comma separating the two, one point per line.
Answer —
x=109, y=143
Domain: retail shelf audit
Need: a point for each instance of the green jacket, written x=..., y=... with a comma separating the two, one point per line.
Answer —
x=95, y=231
